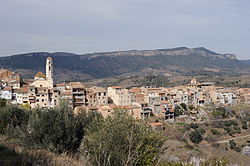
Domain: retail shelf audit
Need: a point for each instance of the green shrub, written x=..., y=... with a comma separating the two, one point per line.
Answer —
x=202, y=131
x=178, y=111
x=215, y=132
x=12, y=116
x=218, y=124
x=191, y=107
x=195, y=137
x=57, y=130
x=231, y=123
x=194, y=125
x=219, y=113
x=119, y=140
x=184, y=106
x=2, y=103
x=233, y=146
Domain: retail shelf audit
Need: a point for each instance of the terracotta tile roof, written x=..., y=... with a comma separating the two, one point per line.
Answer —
x=76, y=85
x=165, y=102
x=139, y=95
x=17, y=91
x=116, y=87
x=40, y=75
x=156, y=124
x=25, y=89
x=8, y=88
x=3, y=70
x=60, y=84
x=135, y=90
x=66, y=93
x=124, y=107
x=98, y=89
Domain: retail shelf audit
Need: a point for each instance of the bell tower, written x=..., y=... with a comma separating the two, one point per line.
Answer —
x=49, y=70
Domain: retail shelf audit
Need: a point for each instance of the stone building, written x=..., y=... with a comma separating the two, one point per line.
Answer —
x=119, y=96
x=96, y=96
x=41, y=90
x=10, y=78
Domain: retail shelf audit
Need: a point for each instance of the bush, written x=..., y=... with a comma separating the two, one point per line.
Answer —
x=2, y=103
x=12, y=116
x=202, y=131
x=231, y=131
x=195, y=137
x=233, y=146
x=184, y=106
x=56, y=130
x=244, y=126
x=177, y=111
x=194, y=125
x=217, y=124
x=191, y=107
x=215, y=132
x=219, y=113
x=119, y=140
x=231, y=123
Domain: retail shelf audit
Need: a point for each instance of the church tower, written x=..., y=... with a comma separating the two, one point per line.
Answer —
x=49, y=70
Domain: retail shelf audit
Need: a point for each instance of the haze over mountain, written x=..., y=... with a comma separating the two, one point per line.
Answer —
x=69, y=66
x=246, y=61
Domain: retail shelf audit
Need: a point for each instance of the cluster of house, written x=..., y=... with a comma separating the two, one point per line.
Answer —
x=139, y=101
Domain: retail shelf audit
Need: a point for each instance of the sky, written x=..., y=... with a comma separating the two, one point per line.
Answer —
x=86, y=26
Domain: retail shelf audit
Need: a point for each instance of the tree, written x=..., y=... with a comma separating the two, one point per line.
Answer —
x=220, y=112
x=120, y=141
x=233, y=146
x=184, y=106
x=191, y=107
x=12, y=116
x=195, y=136
x=194, y=125
x=2, y=103
x=57, y=130
x=177, y=111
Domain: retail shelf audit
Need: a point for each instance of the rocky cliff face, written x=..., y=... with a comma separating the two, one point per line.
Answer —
x=167, y=52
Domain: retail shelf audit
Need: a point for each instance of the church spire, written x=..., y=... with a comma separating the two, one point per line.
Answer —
x=49, y=70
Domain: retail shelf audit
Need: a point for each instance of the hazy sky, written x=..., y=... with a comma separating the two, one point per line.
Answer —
x=83, y=26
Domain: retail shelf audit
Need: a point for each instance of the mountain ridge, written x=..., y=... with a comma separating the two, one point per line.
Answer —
x=110, y=64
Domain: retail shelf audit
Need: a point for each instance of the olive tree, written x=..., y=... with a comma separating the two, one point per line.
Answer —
x=120, y=141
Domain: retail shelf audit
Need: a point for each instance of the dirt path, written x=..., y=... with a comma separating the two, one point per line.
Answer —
x=235, y=138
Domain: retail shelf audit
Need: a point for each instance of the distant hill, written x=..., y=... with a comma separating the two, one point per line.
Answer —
x=246, y=61
x=69, y=66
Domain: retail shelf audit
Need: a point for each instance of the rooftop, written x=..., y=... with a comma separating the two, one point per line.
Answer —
x=40, y=75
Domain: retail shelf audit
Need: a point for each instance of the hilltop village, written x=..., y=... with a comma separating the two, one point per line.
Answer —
x=164, y=103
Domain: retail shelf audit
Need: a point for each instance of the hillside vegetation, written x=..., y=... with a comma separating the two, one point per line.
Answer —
x=58, y=137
